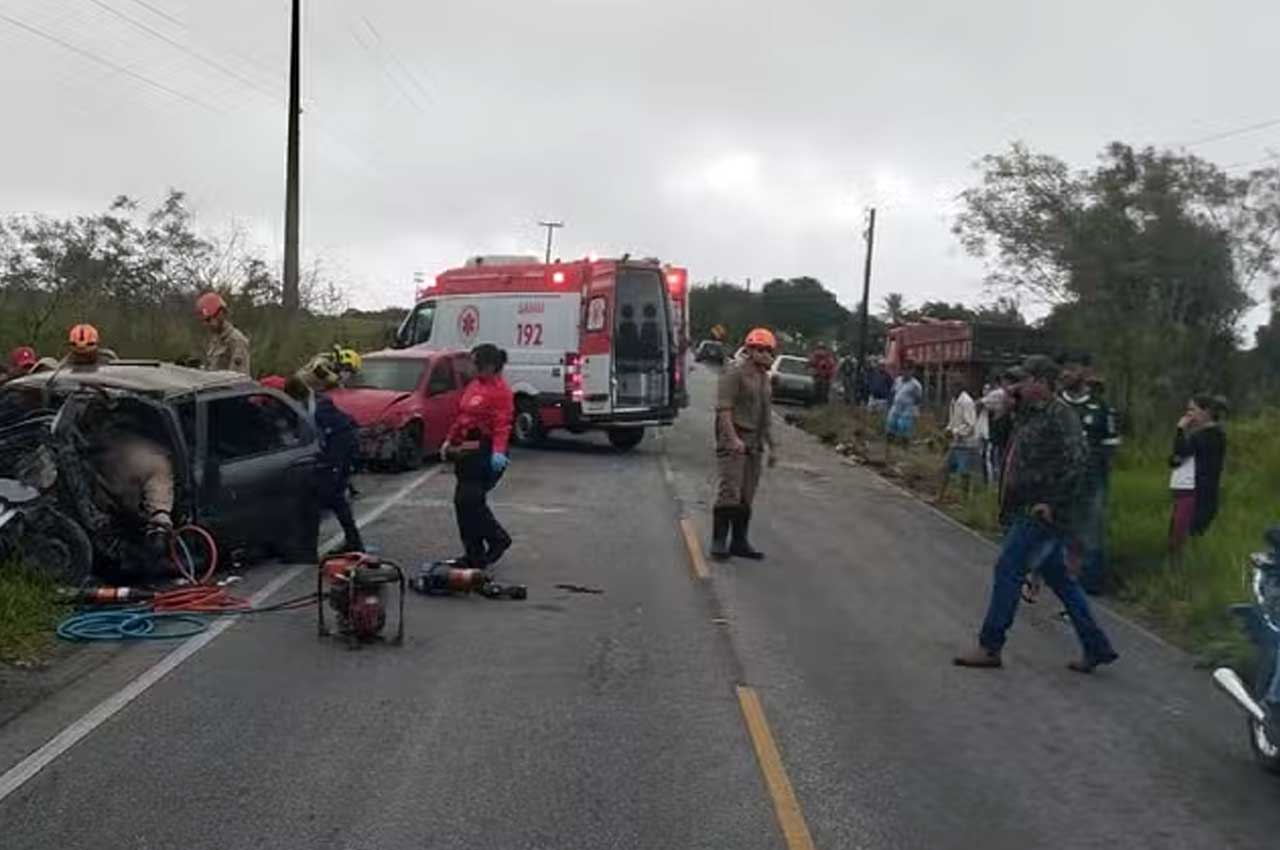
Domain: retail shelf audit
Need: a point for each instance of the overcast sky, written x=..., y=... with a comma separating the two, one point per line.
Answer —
x=741, y=139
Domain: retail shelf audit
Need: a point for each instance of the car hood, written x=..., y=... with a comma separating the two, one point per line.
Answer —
x=367, y=406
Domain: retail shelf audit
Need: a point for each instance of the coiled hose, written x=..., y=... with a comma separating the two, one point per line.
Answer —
x=172, y=614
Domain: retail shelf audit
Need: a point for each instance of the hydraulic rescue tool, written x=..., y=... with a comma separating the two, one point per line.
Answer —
x=445, y=578
x=353, y=584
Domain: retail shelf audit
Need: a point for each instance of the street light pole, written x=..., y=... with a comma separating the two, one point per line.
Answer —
x=551, y=227
x=865, y=319
x=290, y=290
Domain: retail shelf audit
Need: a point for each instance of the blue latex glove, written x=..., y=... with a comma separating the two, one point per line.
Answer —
x=498, y=462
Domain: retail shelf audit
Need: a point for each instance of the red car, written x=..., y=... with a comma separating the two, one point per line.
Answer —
x=404, y=402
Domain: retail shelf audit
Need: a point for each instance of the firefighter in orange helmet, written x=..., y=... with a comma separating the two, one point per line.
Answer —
x=86, y=348
x=227, y=349
x=744, y=429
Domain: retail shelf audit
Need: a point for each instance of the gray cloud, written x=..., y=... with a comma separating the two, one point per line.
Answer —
x=742, y=139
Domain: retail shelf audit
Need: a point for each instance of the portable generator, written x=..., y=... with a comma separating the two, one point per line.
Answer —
x=354, y=585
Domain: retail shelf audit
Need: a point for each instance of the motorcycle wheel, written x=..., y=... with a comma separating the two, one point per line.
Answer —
x=1264, y=742
x=55, y=545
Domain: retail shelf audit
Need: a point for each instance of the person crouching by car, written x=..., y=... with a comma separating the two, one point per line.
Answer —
x=338, y=449
x=477, y=445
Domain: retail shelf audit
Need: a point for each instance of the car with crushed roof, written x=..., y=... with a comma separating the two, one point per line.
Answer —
x=243, y=455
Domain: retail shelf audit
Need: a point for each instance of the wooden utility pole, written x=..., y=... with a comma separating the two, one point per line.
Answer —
x=551, y=227
x=290, y=292
x=864, y=320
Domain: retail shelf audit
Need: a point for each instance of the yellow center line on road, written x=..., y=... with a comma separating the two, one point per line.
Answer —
x=794, y=829
x=696, y=562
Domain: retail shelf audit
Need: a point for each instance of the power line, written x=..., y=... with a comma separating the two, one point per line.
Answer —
x=93, y=57
x=155, y=33
x=159, y=13
x=1227, y=134
x=386, y=72
x=405, y=69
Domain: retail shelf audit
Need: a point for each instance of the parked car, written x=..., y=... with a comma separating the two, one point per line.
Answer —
x=404, y=402
x=709, y=351
x=792, y=380
x=243, y=455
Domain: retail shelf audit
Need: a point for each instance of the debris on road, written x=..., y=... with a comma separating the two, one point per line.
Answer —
x=578, y=588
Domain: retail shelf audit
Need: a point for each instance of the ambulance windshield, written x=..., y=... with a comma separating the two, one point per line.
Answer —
x=417, y=327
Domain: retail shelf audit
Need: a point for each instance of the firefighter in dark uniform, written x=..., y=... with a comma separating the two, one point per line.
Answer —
x=744, y=428
x=477, y=445
x=338, y=450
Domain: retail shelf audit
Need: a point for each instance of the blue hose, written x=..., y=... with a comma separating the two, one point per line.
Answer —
x=130, y=624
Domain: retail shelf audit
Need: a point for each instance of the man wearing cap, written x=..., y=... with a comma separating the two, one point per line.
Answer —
x=744, y=427
x=227, y=349
x=1098, y=422
x=1042, y=473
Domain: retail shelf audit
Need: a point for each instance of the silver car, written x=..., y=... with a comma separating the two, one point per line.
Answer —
x=792, y=379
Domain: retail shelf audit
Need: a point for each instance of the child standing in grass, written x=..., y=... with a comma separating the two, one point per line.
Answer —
x=1199, y=451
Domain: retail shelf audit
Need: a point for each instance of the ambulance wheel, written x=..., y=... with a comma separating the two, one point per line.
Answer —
x=527, y=429
x=625, y=439
x=409, y=451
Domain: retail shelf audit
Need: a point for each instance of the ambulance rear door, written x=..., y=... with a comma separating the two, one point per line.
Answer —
x=596, y=346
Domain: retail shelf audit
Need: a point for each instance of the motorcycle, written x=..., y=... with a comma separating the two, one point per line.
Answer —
x=1261, y=618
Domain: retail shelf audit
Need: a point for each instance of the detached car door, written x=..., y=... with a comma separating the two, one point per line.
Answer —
x=258, y=462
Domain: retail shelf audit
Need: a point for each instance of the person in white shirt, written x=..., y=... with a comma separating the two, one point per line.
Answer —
x=962, y=455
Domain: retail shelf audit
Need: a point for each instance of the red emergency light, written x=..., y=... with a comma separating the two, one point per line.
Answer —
x=573, y=376
x=676, y=279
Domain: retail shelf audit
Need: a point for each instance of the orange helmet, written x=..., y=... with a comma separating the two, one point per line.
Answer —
x=22, y=358
x=209, y=305
x=83, y=339
x=762, y=338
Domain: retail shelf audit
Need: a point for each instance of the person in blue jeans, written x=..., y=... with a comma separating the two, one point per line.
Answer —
x=1037, y=496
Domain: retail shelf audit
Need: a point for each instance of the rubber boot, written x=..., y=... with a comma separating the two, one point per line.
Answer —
x=741, y=546
x=721, y=519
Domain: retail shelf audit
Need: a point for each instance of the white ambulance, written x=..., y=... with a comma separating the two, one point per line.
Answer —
x=591, y=344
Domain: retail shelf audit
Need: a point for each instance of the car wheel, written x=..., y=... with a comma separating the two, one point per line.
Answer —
x=55, y=545
x=625, y=439
x=527, y=429
x=409, y=450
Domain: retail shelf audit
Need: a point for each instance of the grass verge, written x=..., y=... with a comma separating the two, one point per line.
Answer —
x=29, y=611
x=1188, y=606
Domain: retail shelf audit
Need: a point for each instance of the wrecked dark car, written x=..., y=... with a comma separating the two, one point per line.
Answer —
x=219, y=451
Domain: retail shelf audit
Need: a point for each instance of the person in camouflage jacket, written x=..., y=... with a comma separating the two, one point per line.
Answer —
x=1044, y=469
x=1045, y=463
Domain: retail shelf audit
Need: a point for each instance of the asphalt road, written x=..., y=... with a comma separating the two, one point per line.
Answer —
x=615, y=720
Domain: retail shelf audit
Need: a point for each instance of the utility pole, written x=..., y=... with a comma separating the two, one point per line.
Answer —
x=865, y=319
x=552, y=227
x=748, y=284
x=290, y=291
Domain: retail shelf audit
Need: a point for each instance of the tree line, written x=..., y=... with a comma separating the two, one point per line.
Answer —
x=1148, y=260
x=135, y=272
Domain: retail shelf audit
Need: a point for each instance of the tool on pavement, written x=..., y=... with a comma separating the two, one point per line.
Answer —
x=354, y=584
x=445, y=578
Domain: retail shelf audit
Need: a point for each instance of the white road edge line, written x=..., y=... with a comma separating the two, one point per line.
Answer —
x=23, y=771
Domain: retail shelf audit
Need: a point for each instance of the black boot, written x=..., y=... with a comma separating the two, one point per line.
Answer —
x=721, y=518
x=741, y=547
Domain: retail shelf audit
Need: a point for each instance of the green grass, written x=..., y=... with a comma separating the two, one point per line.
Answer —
x=1188, y=605
x=29, y=610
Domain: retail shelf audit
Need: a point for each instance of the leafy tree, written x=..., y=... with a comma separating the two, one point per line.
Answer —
x=893, y=309
x=1149, y=256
